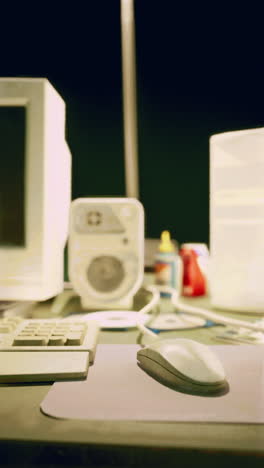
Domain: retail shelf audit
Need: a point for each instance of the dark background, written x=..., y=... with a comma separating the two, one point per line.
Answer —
x=199, y=70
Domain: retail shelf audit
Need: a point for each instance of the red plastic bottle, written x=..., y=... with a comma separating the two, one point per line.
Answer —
x=194, y=281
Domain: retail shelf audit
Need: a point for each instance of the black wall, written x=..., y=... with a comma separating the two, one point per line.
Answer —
x=200, y=72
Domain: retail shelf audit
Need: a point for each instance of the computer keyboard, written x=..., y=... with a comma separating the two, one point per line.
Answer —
x=40, y=350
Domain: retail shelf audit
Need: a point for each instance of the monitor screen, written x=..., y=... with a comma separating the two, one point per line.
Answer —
x=12, y=175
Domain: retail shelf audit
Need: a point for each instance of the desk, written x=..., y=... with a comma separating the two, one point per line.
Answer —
x=29, y=438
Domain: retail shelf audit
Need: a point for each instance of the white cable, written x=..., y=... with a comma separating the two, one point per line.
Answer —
x=198, y=311
x=61, y=301
x=147, y=308
x=215, y=317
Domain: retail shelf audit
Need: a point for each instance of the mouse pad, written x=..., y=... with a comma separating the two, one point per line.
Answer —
x=117, y=389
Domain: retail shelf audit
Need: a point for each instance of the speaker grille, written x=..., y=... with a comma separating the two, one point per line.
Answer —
x=105, y=273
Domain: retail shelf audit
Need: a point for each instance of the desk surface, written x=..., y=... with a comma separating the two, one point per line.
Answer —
x=23, y=426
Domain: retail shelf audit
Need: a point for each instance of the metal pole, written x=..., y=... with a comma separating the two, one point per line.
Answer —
x=129, y=97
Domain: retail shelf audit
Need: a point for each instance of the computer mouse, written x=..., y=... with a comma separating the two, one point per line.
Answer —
x=184, y=365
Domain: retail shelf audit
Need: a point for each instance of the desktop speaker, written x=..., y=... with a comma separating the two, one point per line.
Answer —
x=106, y=251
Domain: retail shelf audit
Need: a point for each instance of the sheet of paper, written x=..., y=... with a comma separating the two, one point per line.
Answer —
x=117, y=389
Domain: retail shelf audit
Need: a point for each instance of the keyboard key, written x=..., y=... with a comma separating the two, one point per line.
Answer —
x=77, y=330
x=25, y=333
x=41, y=333
x=14, y=320
x=60, y=330
x=6, y=328
x=30, y=329
x=30, y=341
x=7, y=325
x=74, y=339
x=56, y=341
x=48, y=324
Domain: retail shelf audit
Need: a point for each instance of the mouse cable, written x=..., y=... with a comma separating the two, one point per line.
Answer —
x=155, y=290
x=62, y=299
x=213, y=316
x=197, y=311
x=154, y=301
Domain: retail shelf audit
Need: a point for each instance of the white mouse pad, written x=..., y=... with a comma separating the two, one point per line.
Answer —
x=117, y=389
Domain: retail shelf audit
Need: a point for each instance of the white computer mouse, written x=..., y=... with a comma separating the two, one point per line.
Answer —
x=184, y=364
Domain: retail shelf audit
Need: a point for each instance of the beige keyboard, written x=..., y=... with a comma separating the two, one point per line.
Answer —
x=46, y=349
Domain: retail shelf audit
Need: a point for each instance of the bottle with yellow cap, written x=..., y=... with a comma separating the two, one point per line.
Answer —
x=167, y=263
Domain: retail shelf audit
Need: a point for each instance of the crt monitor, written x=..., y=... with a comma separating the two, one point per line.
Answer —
x=35, y=181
